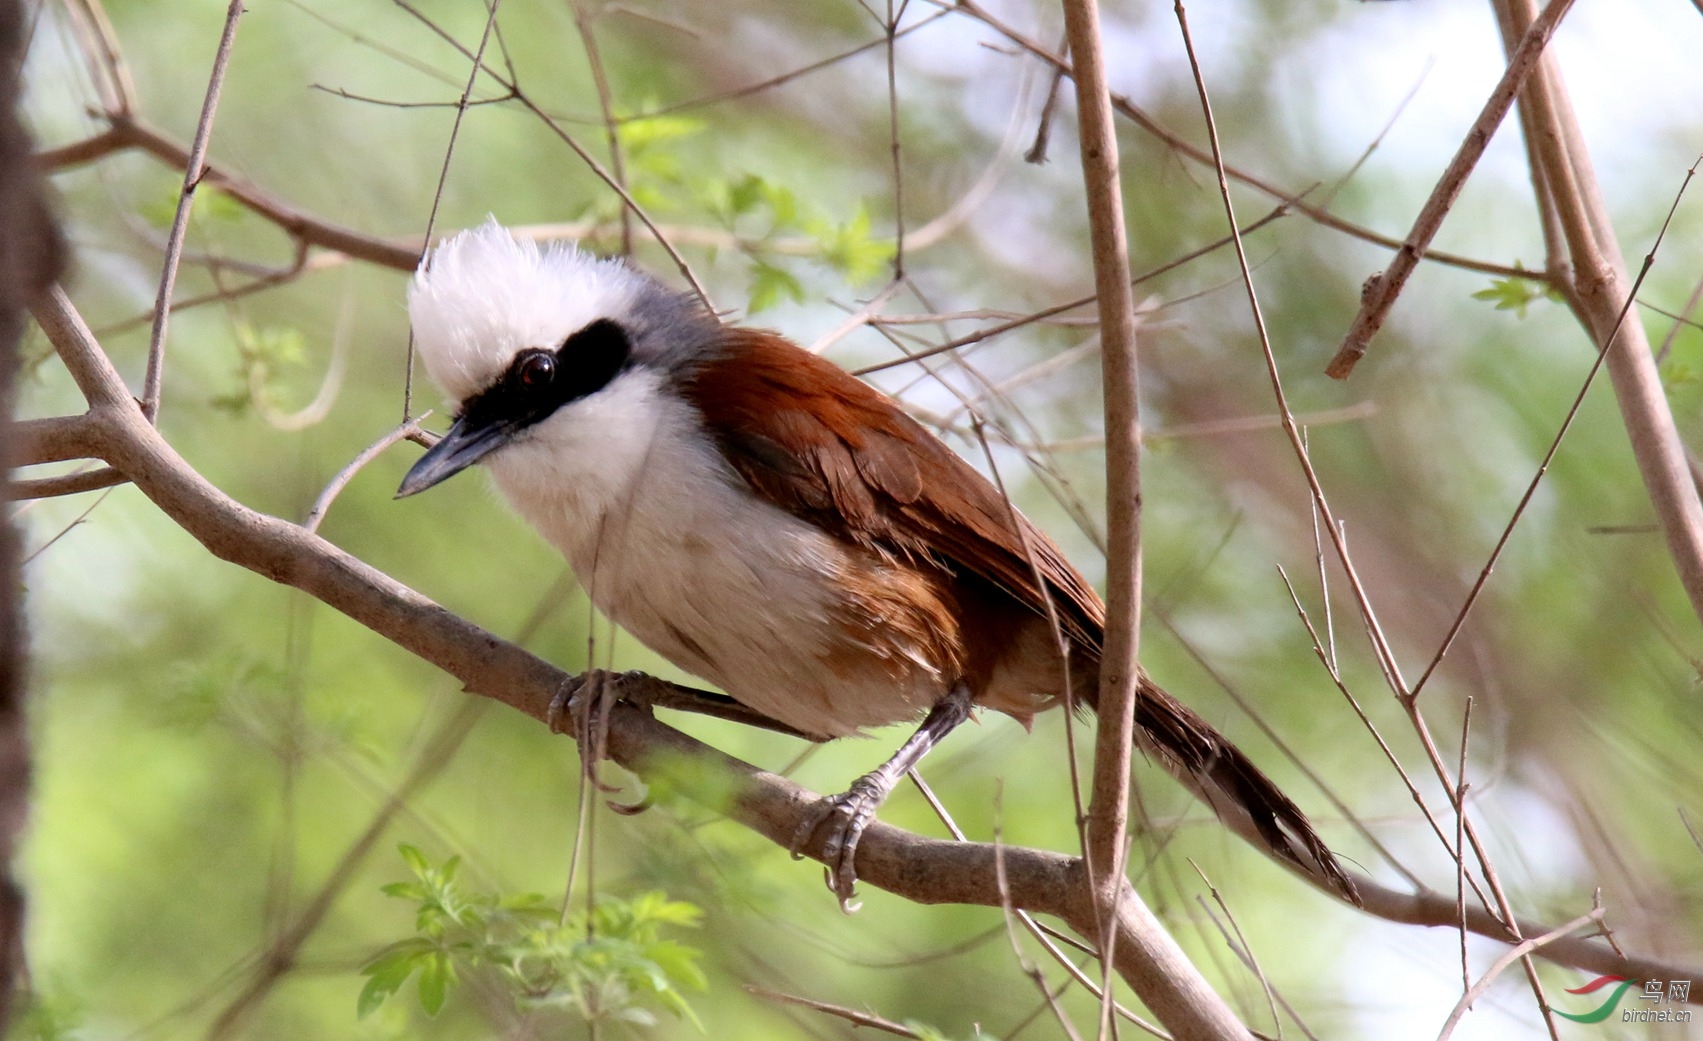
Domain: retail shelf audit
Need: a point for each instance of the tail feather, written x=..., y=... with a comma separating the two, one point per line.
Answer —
x=1228, y=781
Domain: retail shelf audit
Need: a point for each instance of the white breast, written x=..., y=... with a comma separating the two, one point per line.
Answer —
x=674, y=548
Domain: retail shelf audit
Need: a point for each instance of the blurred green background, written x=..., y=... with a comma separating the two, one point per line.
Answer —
x=225, y=769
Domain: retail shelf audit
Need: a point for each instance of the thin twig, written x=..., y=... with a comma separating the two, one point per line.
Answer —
x=1037, y=153
x=1177, y=143
x=69, y=484
x=1682, y=319
x=784, y=78
x=1070, y=305
x=555, y=127
x=1197, y=1011
x=406, y=431
x=850, y=1015
x=1009, y=911
x=1239, y=944
x=891, y=26
x=606, y=105
x=476, y=63
x=193, y=171
x=1600, y=291
x=1597, y=364
x=1509, y=957
x=1460, y=844
x=1383, y=289
x=281, y=954
x=107, y=66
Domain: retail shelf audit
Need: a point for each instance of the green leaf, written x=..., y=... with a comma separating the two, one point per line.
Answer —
x=769, y=284
x=849, y=247
x=386, y=975
x=519, y=939
x=437, y=975
x=639, y=135
x=417, y=861
x=1516, y=294
x=746, y=194
x=218, y=206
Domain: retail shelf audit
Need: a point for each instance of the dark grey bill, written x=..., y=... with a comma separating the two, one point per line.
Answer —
x=458, y=449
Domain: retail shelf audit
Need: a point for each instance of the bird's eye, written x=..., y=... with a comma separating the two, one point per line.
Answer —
x=536, y=370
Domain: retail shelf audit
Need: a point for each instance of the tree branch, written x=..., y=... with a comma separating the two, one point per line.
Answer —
x=1382, y=290
x=1190, y=1008
x=1602, y=291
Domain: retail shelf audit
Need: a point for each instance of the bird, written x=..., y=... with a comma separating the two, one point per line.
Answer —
x=768, y=522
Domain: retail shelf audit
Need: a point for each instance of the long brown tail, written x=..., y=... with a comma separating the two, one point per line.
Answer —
x=1228, y=781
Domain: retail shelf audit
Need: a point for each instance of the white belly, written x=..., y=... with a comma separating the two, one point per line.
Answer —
x=674, y=548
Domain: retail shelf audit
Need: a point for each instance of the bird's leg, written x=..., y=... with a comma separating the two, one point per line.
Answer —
x=846, y=815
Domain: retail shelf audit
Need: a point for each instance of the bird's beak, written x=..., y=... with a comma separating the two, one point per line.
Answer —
x=458, y=449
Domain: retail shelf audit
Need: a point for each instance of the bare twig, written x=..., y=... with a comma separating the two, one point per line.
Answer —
x=1460, y=843
x=1070, y=305
x=606, y=105
x=1037, y=152
x=1601, y=290
x=789, y=76
x=850, y=1015
x=1508, y=958
x=99, y=45
x=194, y=169
x=1190, y=1008
x=1603, y=358
x=281, y=954
x=555, y=127
x=890, y=25
x=406, y=431
x=68, y=484
x=1176, y=142
x=1114, y=738
x=1381, y=290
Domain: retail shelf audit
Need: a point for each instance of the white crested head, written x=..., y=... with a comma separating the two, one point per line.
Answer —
x=482, y=296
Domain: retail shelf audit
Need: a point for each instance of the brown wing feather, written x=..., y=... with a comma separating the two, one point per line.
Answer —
x=841, y=454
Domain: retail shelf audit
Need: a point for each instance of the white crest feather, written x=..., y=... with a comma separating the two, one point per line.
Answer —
x=483, y=296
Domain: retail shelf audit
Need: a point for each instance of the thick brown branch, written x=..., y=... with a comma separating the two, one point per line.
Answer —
x=67, y=484
x=1118, y=679
x=54, y=440
x=1191, y=1009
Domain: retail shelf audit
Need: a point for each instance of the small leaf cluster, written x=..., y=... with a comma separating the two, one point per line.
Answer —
x=762, y=211
x=1517, y=294
x=613, y=965
x=758, y=210
x=263, y=354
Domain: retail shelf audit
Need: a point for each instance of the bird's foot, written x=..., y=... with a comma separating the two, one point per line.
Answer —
x=581, y=708
x=844, y=817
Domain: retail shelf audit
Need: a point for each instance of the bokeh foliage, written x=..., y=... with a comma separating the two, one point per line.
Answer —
x=221, y=760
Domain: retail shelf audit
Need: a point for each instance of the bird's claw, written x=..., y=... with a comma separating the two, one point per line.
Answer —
x=581, y=708
x=845, y=816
